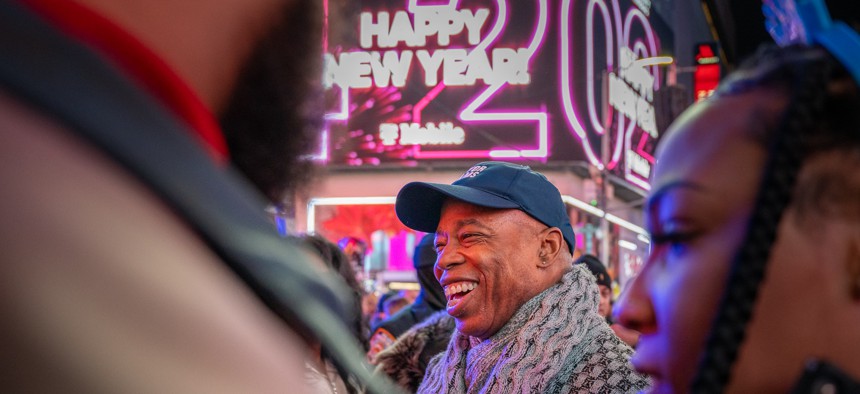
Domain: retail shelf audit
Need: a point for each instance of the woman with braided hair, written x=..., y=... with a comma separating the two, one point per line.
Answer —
x=753, y=282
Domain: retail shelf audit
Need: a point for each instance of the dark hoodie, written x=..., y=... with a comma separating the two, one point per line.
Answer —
x=431, y=298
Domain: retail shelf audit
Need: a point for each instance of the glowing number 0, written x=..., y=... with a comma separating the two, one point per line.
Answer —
x=617, y=35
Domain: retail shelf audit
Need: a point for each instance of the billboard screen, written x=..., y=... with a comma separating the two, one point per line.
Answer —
x=417, y=82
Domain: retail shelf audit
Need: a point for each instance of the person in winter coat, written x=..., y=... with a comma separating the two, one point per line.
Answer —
x=431, y=298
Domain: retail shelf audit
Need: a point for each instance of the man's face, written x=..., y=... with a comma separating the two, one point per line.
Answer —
x=488, y=262
x=605, y=306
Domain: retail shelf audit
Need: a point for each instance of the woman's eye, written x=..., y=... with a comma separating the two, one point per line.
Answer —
x=676, y=243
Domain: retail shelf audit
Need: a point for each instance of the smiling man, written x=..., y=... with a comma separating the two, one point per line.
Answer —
x=526, y=318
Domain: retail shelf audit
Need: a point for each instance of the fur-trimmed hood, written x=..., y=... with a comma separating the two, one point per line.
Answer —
x=406, y=360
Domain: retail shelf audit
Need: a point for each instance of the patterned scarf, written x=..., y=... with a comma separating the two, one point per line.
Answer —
x=555, y=342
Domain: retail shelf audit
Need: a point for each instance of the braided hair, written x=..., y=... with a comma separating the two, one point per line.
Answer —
x=816, y=120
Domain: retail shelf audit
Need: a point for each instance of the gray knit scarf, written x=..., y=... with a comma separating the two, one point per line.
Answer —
x=556, y=342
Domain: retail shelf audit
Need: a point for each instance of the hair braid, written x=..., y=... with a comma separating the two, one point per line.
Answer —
x=786, y=154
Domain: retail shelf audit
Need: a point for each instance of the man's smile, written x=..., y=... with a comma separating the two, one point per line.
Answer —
x=455, y=292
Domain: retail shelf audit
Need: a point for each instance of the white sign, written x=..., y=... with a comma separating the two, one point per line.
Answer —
x=458, y=66
x=415, y=134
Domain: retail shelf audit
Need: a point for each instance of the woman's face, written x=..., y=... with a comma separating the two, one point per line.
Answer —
x=704, y=185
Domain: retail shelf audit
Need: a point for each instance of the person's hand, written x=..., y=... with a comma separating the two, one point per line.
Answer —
x=630, y=337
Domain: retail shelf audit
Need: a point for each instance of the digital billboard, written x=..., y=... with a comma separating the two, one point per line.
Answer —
x=419, y=82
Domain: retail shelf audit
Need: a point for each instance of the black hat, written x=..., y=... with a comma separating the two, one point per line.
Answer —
x=425, y=252
x=597, y=269
x=424, y=259
x=490, y=184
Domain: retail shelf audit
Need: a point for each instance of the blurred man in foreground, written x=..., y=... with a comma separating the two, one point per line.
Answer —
x=135, y=256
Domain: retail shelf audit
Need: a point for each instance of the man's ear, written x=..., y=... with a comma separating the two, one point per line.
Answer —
x=552, y=243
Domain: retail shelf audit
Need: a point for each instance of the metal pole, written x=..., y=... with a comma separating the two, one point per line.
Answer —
x=604, y=154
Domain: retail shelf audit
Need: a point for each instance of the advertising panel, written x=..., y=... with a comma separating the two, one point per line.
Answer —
x=417, y=82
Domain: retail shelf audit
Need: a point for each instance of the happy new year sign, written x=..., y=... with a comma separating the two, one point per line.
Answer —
x=533, y=80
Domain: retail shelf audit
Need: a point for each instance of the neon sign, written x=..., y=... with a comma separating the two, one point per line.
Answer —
x=474, y=80
x=706, y=76
x=459, y=66
x=630, y=87
x=414, y=134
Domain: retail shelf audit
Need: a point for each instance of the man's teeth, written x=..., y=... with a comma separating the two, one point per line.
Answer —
x=463, y=287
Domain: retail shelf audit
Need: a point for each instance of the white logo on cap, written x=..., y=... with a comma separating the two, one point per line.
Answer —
x=473, y=172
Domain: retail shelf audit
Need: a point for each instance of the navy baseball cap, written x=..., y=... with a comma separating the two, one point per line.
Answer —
x=491, y=184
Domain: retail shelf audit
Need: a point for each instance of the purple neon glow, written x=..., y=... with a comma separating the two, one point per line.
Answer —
x=622, y=32
x=498, y=26
x=634, y=12
x=421, y=104
x=591, y=102
x=635, y=178
x=566, y=95
x=640, y=148
x=638, y=181
x=322, y=154
x=453, y=154
x=596, y=121
x=639, y=47
x=619, y=147
x=640, y=50
x=616, y=12
x=413, y=5
x=470, y=114
x=325, y=27
x=491, y=37
x=343, y=110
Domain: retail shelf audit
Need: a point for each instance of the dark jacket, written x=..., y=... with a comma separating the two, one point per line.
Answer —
x=431, y=298
x=406, y=360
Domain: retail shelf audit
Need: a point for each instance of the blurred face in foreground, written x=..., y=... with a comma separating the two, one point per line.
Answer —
x=704, y=186
x=489, y=264
x=274, y=113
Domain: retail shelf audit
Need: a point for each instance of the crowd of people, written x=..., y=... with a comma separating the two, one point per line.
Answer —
x=401, y=343
x=141, y=145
